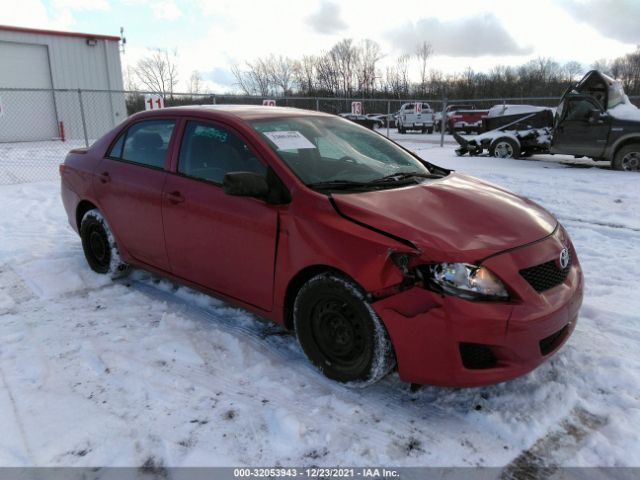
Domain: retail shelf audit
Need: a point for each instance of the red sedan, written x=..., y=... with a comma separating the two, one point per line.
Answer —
x=373, y=256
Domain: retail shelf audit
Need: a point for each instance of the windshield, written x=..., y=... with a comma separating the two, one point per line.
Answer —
x=321, y=150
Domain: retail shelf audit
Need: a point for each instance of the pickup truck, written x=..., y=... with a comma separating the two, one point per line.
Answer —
x=410, y=118
x=461, y=118
x=594, y=119
x=467, y=120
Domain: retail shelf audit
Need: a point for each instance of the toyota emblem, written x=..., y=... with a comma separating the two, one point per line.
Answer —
x=564, y=258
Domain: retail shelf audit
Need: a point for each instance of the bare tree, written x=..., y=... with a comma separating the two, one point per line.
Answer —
x=423, y=52
x=129, y=79
x=256, y=80
x=397, y=77
x=306, y=74
x=369, y=56
x=195, y=83
x=281, y=72
x=158, y=71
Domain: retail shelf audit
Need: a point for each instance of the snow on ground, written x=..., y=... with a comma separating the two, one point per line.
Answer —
x=33, y=161
x=142, y=371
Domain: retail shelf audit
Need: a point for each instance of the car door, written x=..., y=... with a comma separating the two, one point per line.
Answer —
x=225, y=243
x=576, y=131
x=128, y=188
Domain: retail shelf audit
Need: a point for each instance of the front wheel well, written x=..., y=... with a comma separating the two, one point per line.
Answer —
x=296, y=283
x=624, y=143
x=83, y=207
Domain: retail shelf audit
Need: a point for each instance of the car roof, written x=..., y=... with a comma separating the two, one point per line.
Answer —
x=241, y=112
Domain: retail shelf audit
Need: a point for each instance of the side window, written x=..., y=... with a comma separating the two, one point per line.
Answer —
x=579, y=109
x=209, y=152
x=116, y=149
x=146, y=143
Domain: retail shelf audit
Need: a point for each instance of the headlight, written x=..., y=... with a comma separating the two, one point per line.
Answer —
x=468, y=281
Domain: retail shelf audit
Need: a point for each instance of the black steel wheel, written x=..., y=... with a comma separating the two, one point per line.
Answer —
x=340, y=332
x=627, y=158
x=99, y=246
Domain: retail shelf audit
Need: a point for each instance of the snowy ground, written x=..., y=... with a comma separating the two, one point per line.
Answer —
x=146, y=372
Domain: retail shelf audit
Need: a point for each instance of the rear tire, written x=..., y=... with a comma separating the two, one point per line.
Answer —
x=430, y=130
x=627, y=158
x=504, y=147
x=340, y=332
x=100, y=247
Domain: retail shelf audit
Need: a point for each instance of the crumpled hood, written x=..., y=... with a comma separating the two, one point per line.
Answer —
x=454, y=218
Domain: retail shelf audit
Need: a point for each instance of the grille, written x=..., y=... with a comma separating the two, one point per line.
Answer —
x=475, y=356
x=548, y=344
x=546, y=275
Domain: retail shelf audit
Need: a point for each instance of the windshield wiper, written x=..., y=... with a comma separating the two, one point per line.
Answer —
x=338, y=184
x=395, y=179
x=400, y=176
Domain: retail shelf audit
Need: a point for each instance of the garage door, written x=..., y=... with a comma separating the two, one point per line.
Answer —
x=30, y=115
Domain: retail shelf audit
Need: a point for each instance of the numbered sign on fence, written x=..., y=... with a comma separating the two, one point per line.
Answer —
x=153, y=102
x=269, y=103
x=356, y=108
x=418, y=107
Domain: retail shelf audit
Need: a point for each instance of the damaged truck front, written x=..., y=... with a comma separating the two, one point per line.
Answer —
x=594, y=119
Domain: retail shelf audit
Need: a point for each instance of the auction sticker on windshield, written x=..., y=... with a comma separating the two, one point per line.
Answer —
x=290, y=140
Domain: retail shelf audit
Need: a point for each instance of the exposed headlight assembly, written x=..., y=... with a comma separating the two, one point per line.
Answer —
x=467, y=281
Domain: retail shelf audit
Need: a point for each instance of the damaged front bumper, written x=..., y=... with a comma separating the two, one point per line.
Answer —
x=445, y=340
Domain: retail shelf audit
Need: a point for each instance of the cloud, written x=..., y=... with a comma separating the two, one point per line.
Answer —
x=220, y=76
x=81, y=4
x=466, y=37
x=327, y=20
x=166, y=10
x=617, y=19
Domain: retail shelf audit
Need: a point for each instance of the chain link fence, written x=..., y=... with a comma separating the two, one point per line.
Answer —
x=39, y=127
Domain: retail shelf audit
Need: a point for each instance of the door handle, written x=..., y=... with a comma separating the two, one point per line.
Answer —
x=105, y=177
x=175, y=197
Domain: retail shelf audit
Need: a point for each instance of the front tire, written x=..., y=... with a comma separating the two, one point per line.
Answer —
x=100, y=247
x=627, y=158
x=340, y=332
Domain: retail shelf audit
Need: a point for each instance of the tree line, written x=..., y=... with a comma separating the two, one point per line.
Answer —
x=354, y=69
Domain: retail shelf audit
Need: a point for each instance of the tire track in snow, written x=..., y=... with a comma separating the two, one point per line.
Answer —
x=19, y=293
x=548, y=453
x=617, y=226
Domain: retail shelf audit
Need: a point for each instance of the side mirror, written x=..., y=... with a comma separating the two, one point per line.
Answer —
x=245, y=184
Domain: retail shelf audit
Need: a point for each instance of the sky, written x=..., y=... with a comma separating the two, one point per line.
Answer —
x=211, y=36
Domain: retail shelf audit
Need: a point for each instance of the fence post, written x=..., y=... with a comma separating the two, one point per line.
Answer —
x=317, y=104
x=84, y=121
x=388, y=115
x=442, y=121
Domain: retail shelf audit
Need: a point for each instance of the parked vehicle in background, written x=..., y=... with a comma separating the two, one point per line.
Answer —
x=594, y=119
x=415, y=116
x=466, y=120
x=381, y=119
x=448, y=111
x=503, y=114
x=373, y=256
x=363, y=120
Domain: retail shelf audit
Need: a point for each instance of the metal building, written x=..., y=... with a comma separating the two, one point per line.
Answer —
x=35, y=62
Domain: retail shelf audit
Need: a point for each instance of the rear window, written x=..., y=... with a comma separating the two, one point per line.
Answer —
x=144, y=143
